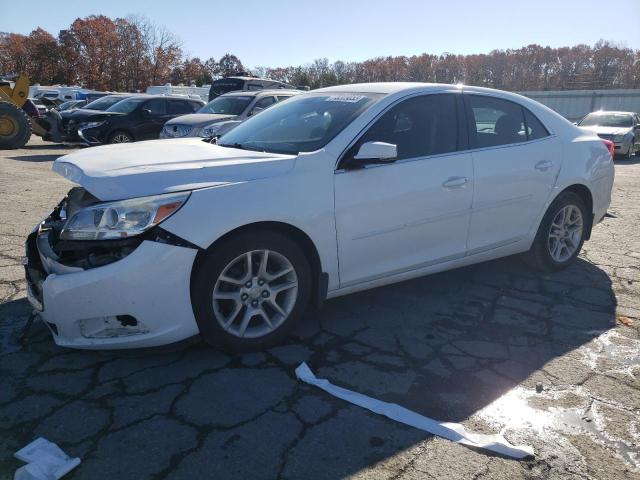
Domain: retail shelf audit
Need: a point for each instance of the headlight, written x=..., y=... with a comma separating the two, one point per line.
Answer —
x=91, y=124
x=618, y=138
x=210, y=130
x=126, y=218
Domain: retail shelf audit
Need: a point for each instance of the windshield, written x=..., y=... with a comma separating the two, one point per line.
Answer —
x=607, y=120
x=227, y=105
x=302, y=124
x=127, y=105
x=103, y=103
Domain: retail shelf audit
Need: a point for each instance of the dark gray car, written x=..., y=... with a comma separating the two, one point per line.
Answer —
x=224, y=113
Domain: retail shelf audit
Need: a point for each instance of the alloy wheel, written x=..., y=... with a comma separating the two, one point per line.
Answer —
x=565, y=233
x=255, y=293
x=121, y=138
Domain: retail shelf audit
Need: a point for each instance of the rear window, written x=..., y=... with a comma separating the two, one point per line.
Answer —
x=225, y=85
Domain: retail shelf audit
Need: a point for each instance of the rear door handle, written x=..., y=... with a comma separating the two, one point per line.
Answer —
x=544, y=165
x=454, y=182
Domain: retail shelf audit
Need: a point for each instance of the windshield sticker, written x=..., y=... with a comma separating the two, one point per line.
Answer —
x=345, y=98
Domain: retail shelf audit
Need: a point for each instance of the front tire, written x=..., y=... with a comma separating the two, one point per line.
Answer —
x=561, y=234
x=120, y=136
x=248, y=292
x=15, y=126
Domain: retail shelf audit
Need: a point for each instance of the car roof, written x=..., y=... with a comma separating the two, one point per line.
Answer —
x=609, y=112
x=255, y=93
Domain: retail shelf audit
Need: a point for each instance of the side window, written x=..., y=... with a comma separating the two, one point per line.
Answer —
x=255, y=86
x=157, y=106
x=263, y=103
x=494, y=121
x=282, y=98
x=195, y=106
x=179, y=107
x=419, y=126
x=535, y=128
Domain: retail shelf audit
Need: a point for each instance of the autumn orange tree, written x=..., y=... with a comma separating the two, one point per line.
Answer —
x=125, y=54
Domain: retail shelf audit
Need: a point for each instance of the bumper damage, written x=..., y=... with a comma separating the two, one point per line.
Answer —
x=110, y=294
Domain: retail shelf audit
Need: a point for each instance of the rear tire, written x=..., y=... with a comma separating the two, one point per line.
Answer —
x=561, y=234
x=240, y=308
x=15, y=126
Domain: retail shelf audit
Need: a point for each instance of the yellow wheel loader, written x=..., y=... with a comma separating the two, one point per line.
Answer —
x=15, y=124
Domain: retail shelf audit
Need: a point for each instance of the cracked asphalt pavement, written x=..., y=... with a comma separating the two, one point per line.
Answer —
x=472, y=345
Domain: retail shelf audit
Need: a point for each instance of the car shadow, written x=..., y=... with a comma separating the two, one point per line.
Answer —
x=445, y=345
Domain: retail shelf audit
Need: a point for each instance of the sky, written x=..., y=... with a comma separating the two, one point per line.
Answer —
x=282, y=32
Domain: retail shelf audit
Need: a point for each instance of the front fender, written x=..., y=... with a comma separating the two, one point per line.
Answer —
x=302, y=199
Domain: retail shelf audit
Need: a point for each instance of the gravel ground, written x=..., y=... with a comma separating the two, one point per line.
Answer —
x=468, y=346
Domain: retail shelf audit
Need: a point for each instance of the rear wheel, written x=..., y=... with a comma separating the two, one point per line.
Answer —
x=248, y=292
x=560, y=235
x=120, y=137
x=15, y=126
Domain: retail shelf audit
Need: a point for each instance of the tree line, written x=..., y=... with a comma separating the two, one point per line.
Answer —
x=129, y=54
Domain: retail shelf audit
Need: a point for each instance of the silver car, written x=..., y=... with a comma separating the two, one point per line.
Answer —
x=224, y=113
x=622, y=128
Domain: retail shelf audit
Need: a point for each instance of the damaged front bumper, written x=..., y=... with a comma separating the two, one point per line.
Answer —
x=110, y=294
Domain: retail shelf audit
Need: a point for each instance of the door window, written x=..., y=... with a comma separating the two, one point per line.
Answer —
x=263, y=103
x=177, y=107
x=420, y=126
x=535, y=129
x=494, y=121
x=157, y=106
x=283, y=97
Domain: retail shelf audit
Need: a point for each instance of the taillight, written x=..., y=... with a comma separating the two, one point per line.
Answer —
x=610, y=147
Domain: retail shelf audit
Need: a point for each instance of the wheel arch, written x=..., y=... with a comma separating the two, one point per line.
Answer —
x=318, y=277
x=583, y=192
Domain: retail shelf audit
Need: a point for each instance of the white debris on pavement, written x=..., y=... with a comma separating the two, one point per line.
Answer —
x=44, y=461
x=451, y=431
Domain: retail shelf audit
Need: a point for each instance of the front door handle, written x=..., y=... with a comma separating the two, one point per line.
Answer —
x=455, y=182
x=544, y=165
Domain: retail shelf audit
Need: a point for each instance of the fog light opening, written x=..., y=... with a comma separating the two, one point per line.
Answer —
x=111, y=327
x=127, y=320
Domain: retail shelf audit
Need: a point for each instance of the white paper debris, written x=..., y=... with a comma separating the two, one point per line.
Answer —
x=45, y=461
x=451, y=431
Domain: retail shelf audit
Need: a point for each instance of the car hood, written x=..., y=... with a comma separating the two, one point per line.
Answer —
x=114, y=172
x=608, y=130
x=82, y=115
x=200, y=119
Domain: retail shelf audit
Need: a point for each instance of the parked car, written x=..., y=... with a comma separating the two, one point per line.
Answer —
x=63, y=126
x=138, y=117
x=622, y=128
x=223, y=113
x=234, y=84
x=331, y=192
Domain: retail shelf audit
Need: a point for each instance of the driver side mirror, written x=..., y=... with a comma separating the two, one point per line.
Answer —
x=254, y=111
x=145, y=112
x=377, y=151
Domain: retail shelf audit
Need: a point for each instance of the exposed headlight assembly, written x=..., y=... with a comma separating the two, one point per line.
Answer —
x=122, y=219
x=210, y=130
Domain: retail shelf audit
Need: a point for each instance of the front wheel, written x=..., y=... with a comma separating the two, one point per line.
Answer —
x=560, y=235
x=248, y=292
x=120, y=137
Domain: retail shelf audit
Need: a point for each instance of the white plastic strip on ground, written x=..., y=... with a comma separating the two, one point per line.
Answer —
x=451, y=431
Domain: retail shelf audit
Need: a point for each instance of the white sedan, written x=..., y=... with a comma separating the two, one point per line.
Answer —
x=338, y=190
